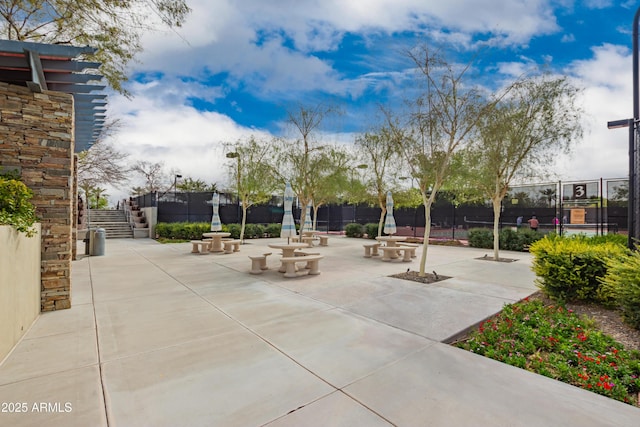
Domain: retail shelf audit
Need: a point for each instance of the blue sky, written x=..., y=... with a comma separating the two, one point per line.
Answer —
x=237, y=65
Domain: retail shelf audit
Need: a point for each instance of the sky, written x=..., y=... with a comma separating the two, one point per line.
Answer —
x=236, y=66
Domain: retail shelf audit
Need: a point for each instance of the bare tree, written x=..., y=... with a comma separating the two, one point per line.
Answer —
x=153, y=174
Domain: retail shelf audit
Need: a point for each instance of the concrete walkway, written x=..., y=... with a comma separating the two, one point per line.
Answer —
x=158, y=336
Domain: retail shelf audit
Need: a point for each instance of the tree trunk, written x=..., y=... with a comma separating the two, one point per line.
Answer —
x=427, y=231
x=244, y=221
x=315, y=217
x=497, y=202
x=381, y=222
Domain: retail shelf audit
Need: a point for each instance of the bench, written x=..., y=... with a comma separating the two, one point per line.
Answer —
x=258, y=263
x=231, y=246
x=305, y=239
x=413, y=246
x=200, y=247
x=371, y=250
x=393, y=252
x=324, y=240
x=290, y=264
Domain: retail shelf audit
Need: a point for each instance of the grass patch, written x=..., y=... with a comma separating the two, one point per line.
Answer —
x=165, y=240
x=553, y=341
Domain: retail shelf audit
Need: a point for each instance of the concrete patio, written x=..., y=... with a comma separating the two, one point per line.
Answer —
x=158, y=336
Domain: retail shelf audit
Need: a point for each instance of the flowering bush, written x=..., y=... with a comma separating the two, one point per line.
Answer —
x=553, y=341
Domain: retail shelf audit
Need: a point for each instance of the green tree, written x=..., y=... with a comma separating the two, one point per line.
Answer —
x=113, y=27
x=537, y=120
x=378, y=152
x=442, y=121
x=251, y=174
x=296, y=161
x=330, y=175
x=97, y=197
x=189, y=185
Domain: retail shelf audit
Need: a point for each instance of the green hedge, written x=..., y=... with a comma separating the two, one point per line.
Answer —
x=371, y=229
x=623, y=282
x=510, y=240
x=354, y=230
x=571, y=268
x=194, y=230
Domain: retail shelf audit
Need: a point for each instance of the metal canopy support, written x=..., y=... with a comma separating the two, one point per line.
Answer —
x=56, y=67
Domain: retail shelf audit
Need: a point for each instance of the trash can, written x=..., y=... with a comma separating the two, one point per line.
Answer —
x=99, y=239
x=89, y=239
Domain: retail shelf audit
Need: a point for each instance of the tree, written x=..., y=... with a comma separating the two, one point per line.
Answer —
x=153, y=174
x=378, y=152
x=443, y=120
x=296, y=162
x=538, y=119
x=328, y=177
x=252, y=174
x=102, y=164
x=97, y=198
x=113, y=27
x=189, y=185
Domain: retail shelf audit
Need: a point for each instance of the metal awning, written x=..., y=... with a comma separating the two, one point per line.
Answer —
x=55, y=67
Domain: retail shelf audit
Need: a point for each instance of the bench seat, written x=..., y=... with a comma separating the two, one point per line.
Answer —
x=258, y=263
x=231, y=246
x=371, y=249
x=290, y=264
x=200, y=246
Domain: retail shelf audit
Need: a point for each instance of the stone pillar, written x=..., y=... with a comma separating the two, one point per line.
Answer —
x=36, y=136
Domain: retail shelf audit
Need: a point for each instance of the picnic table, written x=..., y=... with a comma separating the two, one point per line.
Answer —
x=288, y=250
x=216, y=240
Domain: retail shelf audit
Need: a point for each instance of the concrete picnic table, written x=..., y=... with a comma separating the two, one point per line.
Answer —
x=287, y=249
x=391, y=241
x=216, y=240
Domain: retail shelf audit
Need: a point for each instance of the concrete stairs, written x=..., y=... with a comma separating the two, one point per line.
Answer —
x=113, y=221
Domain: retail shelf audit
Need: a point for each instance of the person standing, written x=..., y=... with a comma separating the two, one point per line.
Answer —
x=519, y=222
x=533, y=223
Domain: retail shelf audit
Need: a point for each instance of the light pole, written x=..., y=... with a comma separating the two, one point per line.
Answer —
x=236, y=155
x=633, y=211
x=175, y=188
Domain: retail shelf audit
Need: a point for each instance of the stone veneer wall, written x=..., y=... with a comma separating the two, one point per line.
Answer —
x=36, y=136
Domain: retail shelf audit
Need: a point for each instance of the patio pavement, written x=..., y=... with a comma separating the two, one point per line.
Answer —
x=158, y=336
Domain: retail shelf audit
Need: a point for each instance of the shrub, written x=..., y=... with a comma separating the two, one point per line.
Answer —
x=354, y=230
x=273, y=230
x=480, y=238
x=16, y=209
x=234, y=229
x=510, y=240
x=623, y=282
x=570, y=269
x=371, y=229
x=182, y=230
x=253, y=231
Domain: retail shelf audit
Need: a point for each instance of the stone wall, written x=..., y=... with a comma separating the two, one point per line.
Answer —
x=36, y=136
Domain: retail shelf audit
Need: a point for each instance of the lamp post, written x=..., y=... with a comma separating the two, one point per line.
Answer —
x=236, y=155
x=632, y=123
x=175, y=188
